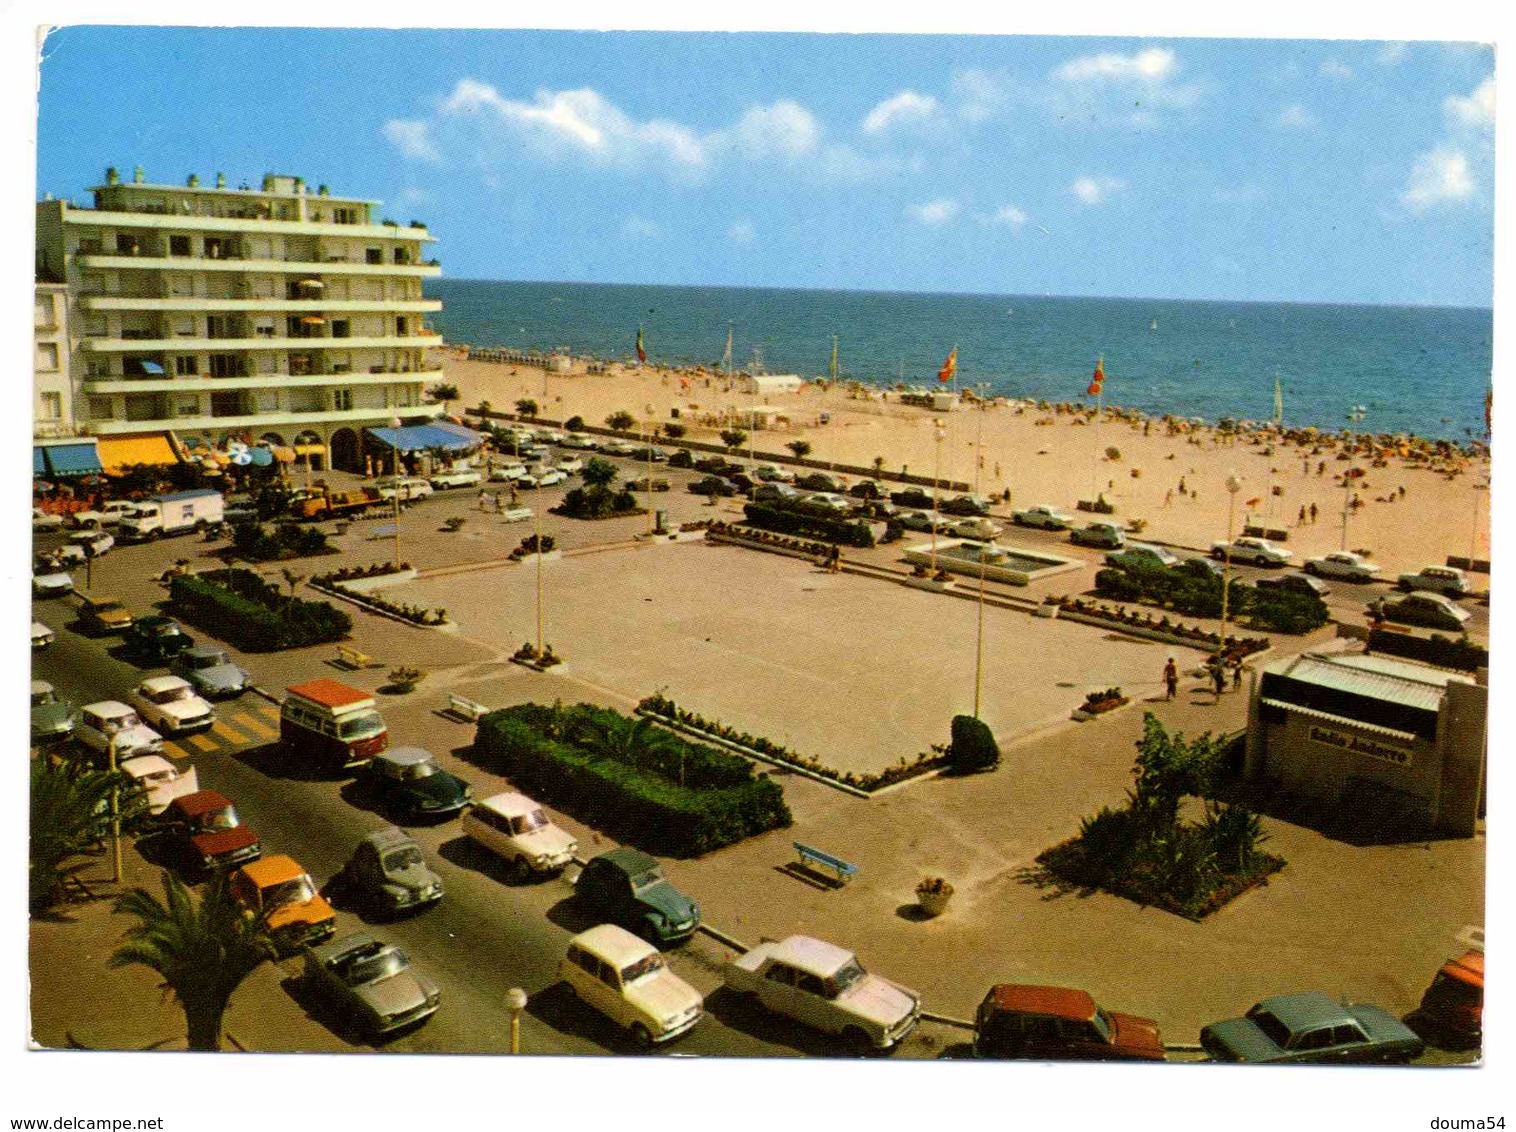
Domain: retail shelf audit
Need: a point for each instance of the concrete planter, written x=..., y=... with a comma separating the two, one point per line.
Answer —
x=1050, y=611
x=377, y=582
x=927, y=584
x=934, y=904
x=1082, y=714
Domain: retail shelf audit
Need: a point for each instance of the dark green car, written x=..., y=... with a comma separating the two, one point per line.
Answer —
x=157, y=638
x=627, y=887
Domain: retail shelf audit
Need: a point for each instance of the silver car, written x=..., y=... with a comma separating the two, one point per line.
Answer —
x=211, y=672
x=370, y=984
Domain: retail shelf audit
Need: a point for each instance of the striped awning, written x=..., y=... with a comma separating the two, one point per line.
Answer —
x=77, y=458
x=310, y=450
x=117, y=453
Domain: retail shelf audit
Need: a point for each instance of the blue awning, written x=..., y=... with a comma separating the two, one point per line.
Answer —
x=423, y=437
x=39, y=465
x=76, y=459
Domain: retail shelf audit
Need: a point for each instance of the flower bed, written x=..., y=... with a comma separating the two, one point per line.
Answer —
x=768, y=540
x=340, y=584
x=1098, y=703
x=1161, y=628
x=660, y=707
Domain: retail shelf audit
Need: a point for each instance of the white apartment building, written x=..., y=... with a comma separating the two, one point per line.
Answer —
x=52, y=390
x=199, y=315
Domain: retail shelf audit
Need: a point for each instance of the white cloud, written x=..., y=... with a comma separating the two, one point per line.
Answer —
x=637, y=228
x=979, y=93
x=1152, y=64
x=1006, y=216
x=742, y=232
x=412, y=139
x=415, y=196
x=1096, y=190
x=1296, y=116
x=1335, y=69
x=1440, y=176
x=1477, y=109
x=1392, y=53
x=907, y=106
x=785, y=129
x=934, y=213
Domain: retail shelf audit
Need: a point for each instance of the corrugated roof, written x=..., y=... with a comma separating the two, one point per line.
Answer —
x=1372, y=676
x=1345, y=721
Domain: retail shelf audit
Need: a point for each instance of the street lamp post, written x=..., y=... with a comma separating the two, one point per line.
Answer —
x=515, y=1001
x=1233, y=486
x=1347, y=504
x=939, y=428
x=537, y=517
x=395, y=481
x=979, y=390
x=979, y=635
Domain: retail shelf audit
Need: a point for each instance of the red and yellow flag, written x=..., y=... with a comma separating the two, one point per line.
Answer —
x=949, y=367
x=1098, y=381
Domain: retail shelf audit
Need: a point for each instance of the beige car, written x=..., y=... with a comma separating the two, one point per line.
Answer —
x=628, y=980
x=516, y=829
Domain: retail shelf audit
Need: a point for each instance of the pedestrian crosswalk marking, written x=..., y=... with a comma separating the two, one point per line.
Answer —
x=247, y=727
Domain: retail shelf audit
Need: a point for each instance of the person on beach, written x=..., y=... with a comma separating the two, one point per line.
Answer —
x=1301, y=521
x=1313, y=512
x=1168, y=497
x=1171, y=679
x=1182, y=490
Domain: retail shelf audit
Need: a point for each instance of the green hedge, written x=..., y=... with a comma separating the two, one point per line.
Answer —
x=1436, y=649
x=847, y=532
x=1196, y=594
x=601, y=767
x=242, y=609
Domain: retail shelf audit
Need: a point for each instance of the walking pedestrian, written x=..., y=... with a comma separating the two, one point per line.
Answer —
x=513, y=493
x=1218, y=677
x=1236, y=675
x=1182, y=490
x=483, y=496
x=1301, y=521
x=1321, y=468
x=1168, y=497
x=498, y=508
x=1171, y=679
x=1313, y=512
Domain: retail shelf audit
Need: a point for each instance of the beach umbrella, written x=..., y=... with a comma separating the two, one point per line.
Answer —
x=242, y=458
x=41, y=485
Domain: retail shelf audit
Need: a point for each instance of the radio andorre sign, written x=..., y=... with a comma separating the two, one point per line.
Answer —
x=1361, y=745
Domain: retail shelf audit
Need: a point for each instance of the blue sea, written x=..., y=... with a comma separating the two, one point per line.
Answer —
x=1412, y=369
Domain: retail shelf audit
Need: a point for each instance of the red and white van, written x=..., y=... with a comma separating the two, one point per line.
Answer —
x=326, y=721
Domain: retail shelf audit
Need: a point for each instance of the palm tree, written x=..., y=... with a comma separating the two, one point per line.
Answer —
x=203, y=949
x=70, y=812
x=801, y=448
x=526, y=407
x=878, y=466
x=446, y=392
x=599, y=473
x=291, y=579
x=733, y=438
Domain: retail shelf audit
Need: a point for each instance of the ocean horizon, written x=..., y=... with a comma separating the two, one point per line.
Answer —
x=1374, y=368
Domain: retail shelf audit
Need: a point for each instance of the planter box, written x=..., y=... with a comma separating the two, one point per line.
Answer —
x=377, y=582
x=927, y=584
x=1050, y=611
x=933, y=903
x=1088, y=712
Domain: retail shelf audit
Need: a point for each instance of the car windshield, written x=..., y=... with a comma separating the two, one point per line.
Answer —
x=119, y=723
x=648, y=878
x=845, y=977
x=370, y=965
x=1276, y=1031
x=525, y=823
x=165, y=629
x=406, y=857
x=208, y=660
x=644, y=968
x=419, y=770
x=169, y=695
x=168, y=774
x=361, y=726
x=214, y=821
x=297, y=890
x=1103, y=1025
x=41, y=698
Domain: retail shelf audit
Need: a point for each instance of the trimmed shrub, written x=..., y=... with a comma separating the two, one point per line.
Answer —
x=973, y=746
x=646, y=787
x=289, y=540
x=242, y=609
x=1285, y=611
x=682, y=459
x=847, y=532
x=1436, y=649
x=574, y=423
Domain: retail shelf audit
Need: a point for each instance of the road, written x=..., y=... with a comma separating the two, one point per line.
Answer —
x=486, y=936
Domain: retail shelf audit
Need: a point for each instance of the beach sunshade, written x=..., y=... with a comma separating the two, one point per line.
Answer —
x=260, y=457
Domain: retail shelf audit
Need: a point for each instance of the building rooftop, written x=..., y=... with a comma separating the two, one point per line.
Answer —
x=1377, y=677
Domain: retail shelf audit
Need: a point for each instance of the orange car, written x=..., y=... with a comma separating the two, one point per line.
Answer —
x=282, y=893
x=1454, y=1003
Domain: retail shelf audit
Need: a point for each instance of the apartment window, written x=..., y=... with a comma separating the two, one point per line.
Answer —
x=43, y=318
x=268, y=400
x=342, y=399
x=179, y=245
x=47, y=356
x=373, y=255
x=264, y=329
x=126, y=243
x=188, y=407
x=402, y=326
x=402, y=256
x=217, y=248
x=90, y=247
x=341, y=328
x=305, y=400
x=226, y=365
x=226, y=405
x=180, y=285
x=186, y=365
x=300, y=365
x=144, y=407
x=344, y=216
x=51, y=407
x=102, y=409
x=221, y=326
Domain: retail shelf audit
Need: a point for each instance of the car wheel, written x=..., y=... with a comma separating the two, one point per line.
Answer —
x=154, y=535
x=521, y=872
x=1218, y=555
x=857, y=1042
x=642, y=1038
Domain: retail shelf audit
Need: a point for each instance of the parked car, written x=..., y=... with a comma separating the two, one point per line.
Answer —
x=571, y=465
x=547, y=436
x=775, y=492
x=515, y=828
x=867, y=489
x=710, y=464
x=52, y=718
x=91, y=544
x=504, y=473
x=967, y=505
x=157, y=639
x=46, y=520
x=104, y=720
x=1039, y=1023
x=582, y=440
x=1427, y=609
x=643, y=483
x=52, y=583
x=387, y=875
x=546, y=477
x=515, y=514
x=157, y=782
x=280, y=893
x=1452, y=1009
x=370, y=984
x=819, y=481
x=456, y=477
x=42, y=636
x=204, y=833
x=169, y=705
x=1142, y=556
x=211, y=672
x=920, y=520
x=773, y=473
x=1343, y=564
x=825, y=986
x=621, y=448
x=1043, y=516
x=713, y=485
x=103, y=613
x=628, y=980
x=1445, y=580
x=828, y=501
x=912, y=497
x=406, y=487
x=1296, y=584
x=1107, y=536
x=1311, y=1028
x=627, y=887
x=976, y=528
x=1258, y=551
x=408, y=781
x=1203, y=568
x=648, y=453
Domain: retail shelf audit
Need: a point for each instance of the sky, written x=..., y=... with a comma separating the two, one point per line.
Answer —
x=1244, y=169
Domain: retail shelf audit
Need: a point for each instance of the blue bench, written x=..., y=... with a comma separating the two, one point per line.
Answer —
x=809, y=856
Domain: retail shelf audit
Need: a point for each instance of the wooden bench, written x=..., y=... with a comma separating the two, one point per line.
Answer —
x=809, y=856
x=465, y=708
x=354, y=659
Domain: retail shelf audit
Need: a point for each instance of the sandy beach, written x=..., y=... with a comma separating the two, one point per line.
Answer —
x=1175, y=482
